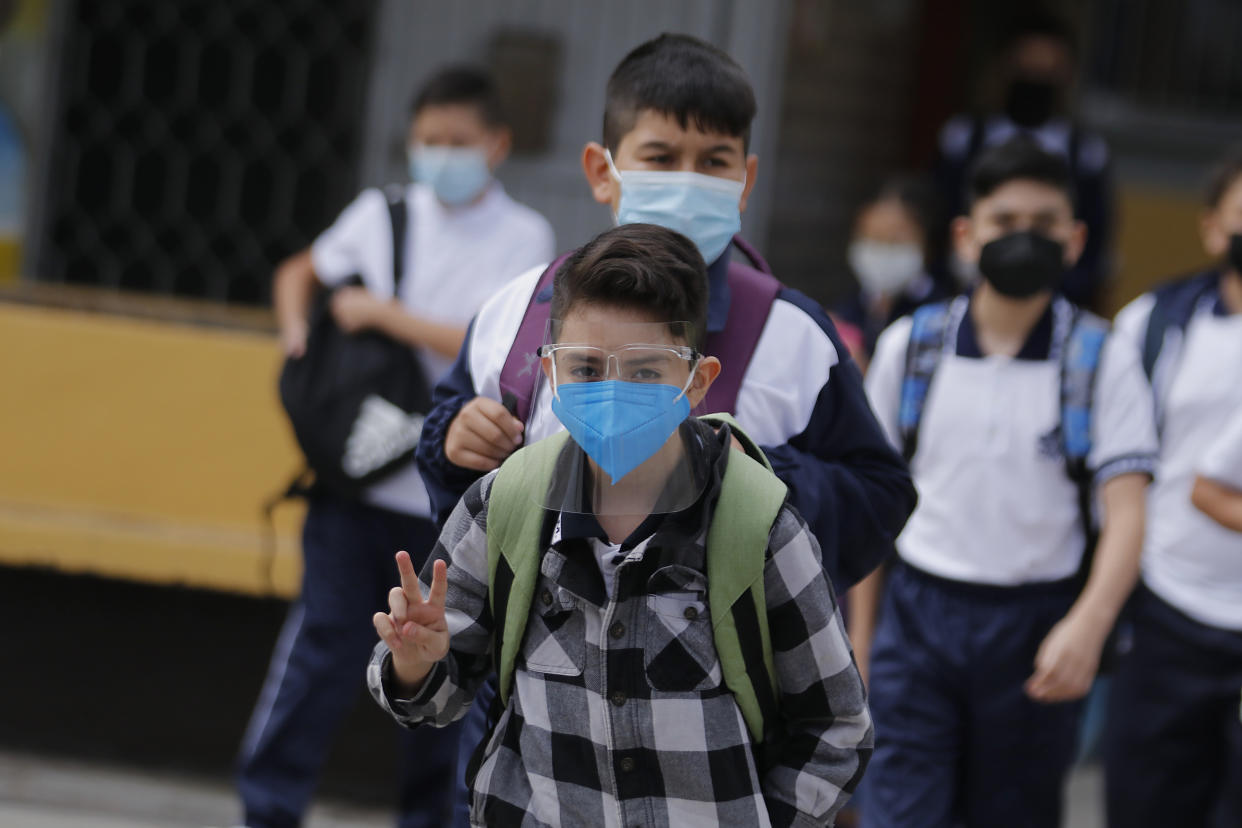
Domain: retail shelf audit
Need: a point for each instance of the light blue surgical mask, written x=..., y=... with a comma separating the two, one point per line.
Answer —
x=619, y=424
x=702, y=208
x=457, y=174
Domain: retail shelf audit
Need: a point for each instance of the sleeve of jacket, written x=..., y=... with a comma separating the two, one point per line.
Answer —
x=845, y=478
x=450, y=687
x=827, y=735
x=446, y=482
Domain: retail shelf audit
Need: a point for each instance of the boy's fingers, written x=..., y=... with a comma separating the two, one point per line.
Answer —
x=439, y=584
x=409, y=578
x=499, y=415
x=397, y=604
x=387, y=632
x=473, y=460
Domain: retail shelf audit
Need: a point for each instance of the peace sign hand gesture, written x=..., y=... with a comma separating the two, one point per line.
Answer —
x=414, y=629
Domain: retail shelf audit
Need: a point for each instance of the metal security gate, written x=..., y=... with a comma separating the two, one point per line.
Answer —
x=196, y=143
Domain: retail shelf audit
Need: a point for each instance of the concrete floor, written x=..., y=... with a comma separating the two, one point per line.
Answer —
x=37, y=792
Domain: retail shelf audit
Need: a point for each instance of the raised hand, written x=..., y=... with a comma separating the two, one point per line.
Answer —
x=414, y=628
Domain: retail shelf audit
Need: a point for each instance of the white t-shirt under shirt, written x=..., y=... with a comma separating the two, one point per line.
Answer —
x=996, y=505
x=1189, y=560
x=456, y=258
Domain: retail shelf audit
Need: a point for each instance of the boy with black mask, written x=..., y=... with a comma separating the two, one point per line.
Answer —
x=1174, y=745
x=1018, y=411
x=1038, y=62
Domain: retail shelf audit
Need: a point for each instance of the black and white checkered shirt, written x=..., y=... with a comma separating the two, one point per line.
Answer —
x=618, y=715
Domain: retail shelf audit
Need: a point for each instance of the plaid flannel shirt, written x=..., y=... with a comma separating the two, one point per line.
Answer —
x=618, y=715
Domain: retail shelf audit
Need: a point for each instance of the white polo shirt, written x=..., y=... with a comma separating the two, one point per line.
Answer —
x=996, y=505
x=1189, y=560
x=1223, y=461
x=456, y=258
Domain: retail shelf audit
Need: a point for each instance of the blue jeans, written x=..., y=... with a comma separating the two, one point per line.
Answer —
x=319, y=666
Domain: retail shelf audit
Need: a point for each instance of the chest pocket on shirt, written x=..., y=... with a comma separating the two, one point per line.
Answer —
x=555, y=641
x=679, y=652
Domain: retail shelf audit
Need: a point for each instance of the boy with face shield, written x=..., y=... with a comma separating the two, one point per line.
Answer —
x=590, y=568
x=1019, y=414
x=1174, y=747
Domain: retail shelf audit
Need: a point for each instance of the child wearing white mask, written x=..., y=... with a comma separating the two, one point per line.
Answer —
x=886, y=256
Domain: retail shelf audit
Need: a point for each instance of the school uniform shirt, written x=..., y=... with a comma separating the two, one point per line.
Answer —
x=456, y=257
x=801, y=399
x=619, y=715
x=996, y=505
x=1223, y=461
x=1189, y=560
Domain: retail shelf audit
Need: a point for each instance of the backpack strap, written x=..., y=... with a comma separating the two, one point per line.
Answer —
x=1080, y=363
x=398, y=213
x=752, y=290
x=520, y=371
x=929, y=339
x=750, y=500
x=514, y=552
x=1171, y=312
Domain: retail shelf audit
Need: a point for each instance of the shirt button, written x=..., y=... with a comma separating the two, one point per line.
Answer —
x=627, y=764
x=691, y=613
x=547, y=598
x=617, y=630
x=617, y=697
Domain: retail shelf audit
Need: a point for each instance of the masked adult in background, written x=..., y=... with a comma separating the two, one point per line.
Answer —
x=1038, y=64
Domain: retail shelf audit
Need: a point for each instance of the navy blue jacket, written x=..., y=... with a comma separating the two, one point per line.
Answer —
x=845, y=479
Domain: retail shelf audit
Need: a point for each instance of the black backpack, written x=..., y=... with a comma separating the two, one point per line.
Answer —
x=356, y=401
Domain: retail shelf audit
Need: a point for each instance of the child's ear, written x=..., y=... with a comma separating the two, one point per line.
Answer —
x=963, y=240
x=599, y=178
x=546, y=364
x=705, y=374
x=752, y=172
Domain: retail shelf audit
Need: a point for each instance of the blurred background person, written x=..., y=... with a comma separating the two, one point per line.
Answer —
x=1037, y=68
x=1174, y=740
x=464, y=239
x=887, y=256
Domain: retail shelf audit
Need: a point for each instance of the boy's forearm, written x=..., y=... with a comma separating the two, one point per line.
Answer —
x=1219, y=502
x=1115, y=568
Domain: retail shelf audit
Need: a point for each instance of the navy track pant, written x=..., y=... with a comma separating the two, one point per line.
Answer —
x=319, y=667
x=957, y=741
x=1173, y=748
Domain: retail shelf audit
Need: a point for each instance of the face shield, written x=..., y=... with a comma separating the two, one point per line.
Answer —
x=621, y=391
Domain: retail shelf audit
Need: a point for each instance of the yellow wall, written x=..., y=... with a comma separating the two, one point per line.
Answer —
x=1158, y=239
x=143, y=450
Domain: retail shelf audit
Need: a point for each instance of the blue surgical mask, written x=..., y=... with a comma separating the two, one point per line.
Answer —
x=702, y=208
x=457, y=174
x=620, y=424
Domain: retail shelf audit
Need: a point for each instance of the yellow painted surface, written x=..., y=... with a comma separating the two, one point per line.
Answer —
x=143, y=450
x=1158, y=239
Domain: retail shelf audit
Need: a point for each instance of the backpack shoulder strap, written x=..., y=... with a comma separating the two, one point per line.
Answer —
x=752, y=290
x=1080, y=363
x=750, y=500
x=1170, y=313
x=514, y=527
x=520, y=371
x=398, y=212
x=929, y=332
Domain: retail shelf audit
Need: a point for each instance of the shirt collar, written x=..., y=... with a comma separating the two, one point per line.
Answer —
x=718, y=293
x=1037, y=347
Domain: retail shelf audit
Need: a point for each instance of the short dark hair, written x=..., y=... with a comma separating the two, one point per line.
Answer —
x=1042, y=24
x=683, y=77
x=913, y=193
x=461, y=84
x=642, y=267
x=1019, y=158
x=1223, y=176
